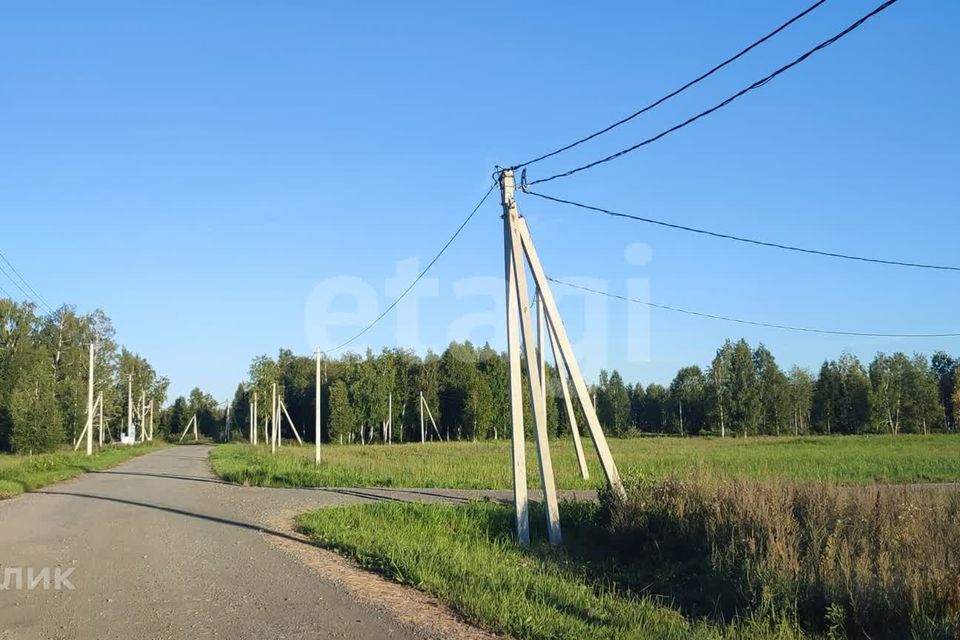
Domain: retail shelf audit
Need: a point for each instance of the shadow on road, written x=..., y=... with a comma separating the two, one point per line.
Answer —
x=166, y=476
x=182, y=512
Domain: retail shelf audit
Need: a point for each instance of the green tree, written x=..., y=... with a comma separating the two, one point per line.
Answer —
x=687, y=401
x=744, y=400
x=827, y=391
x=342, y=419
x=772, y=385
x=720, y=390
x=799, y=399
x=655, y=408
x=955, y=397
x=945, y=369
x=614, y=404
x=36, y=421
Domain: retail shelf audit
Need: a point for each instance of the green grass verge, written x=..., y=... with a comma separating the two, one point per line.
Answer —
x=465, y=556
x=486, y=465
x=20, y=473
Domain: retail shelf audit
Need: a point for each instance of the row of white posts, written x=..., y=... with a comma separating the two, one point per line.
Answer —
x=279, y=411
x=144, y=413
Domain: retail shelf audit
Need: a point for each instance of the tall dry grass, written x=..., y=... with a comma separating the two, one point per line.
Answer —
x=867, y=562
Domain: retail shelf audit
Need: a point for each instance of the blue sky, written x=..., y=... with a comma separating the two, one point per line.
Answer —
x=197, y=170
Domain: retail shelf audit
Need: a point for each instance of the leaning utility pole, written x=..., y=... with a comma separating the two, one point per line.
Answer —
x=90, y=403
x=143, y=416
x=562, y=374
x=520, y=253
x=100, y=402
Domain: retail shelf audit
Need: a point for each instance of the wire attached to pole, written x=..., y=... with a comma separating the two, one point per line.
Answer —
x=769, y=325
x=656, y=103
x=756, y=85
x=418, y=278
x=727, y=236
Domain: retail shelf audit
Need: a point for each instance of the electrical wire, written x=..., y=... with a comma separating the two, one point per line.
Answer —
x=770, y=325
x=755, y=85
x=25, y=293
x=419, y=277
x=34, y=296
x=762, y=243
x=656, y=103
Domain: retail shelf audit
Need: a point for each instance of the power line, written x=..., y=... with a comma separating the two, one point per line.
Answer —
x=36, y=297
x=862, y=334
x=17, y=285
x=762, y=243
x=755, y=85
x=419, y=277
x=675, y=92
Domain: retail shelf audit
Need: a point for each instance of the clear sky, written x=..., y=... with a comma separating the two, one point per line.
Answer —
x=202, y=170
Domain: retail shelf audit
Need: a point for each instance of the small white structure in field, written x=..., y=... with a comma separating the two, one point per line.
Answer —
x=129, y=437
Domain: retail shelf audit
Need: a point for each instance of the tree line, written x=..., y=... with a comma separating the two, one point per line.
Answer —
x=44, y=364
x=743, y=391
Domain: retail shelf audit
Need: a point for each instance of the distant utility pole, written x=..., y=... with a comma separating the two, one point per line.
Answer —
x=255, y=420
x=100, y=402
x=273, y=423
x=316, y=455
x=129, y=404
x=423, y=431
x=90, y=404
x=226, y=421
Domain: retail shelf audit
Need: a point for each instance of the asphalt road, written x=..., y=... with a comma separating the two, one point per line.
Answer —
x=160, y=548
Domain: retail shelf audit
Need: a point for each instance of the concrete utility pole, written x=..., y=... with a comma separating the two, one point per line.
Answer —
x=513, y=348
x=129, y=404
x=90, y=404
x=273, y=423
x=390, y=419
x=255, y=418
x=520, y=253
x=316, y=455
x=226, y=421
x=100, y=402
x=423, y=431
x=143, y=416
x=562, y=374
x=542, y=351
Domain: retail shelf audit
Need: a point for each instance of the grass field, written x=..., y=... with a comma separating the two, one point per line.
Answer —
x=486, y=465
x=467, y=558
x=20, y=473
x=696, y=558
